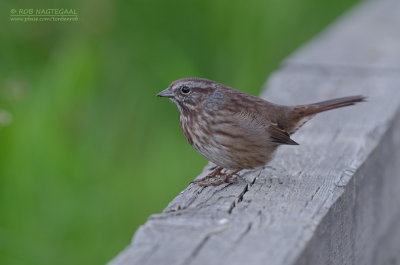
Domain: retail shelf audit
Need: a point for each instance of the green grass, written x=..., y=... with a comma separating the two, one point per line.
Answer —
x=90, y=152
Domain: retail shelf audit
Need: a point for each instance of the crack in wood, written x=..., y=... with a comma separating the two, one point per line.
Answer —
x=239, y=199
x=245, y=190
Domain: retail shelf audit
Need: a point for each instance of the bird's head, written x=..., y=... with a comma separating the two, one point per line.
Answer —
x=190, y=93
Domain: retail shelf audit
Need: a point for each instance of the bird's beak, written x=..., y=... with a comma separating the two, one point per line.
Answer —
x=167, y=93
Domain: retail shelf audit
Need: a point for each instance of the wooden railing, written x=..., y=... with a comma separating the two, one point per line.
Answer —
x=335, y=199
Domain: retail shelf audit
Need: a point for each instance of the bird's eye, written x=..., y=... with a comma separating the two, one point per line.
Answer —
x=185, y=90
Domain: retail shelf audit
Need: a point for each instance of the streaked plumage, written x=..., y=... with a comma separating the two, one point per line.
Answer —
x=235, y=130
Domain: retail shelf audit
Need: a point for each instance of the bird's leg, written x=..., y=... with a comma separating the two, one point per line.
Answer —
x=225, y=178
x=213, y=174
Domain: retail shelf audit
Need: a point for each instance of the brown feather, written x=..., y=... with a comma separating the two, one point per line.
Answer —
x=280, y=136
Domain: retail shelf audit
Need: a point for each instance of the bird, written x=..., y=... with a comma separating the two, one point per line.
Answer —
x=235, y=130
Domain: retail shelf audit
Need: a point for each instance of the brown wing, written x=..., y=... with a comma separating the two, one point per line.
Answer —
x=279, y=135
x=258, y=131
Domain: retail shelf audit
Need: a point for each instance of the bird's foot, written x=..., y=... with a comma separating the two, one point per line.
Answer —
x=224, y=178
x=213, y=174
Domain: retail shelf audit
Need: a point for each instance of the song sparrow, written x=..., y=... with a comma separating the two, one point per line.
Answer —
x=235, y=130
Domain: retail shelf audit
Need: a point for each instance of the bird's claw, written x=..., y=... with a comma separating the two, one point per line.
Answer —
x=224, y=178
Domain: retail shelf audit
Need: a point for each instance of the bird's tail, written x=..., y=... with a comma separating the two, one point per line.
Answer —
x=303, y=113
x=332, y=104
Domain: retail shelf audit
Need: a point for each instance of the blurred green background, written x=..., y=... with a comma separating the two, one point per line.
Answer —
x=87, y=152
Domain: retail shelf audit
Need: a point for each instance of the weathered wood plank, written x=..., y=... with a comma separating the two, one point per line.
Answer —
x=367, y=37
x=332, y=200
